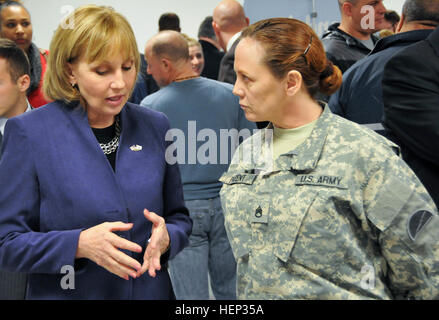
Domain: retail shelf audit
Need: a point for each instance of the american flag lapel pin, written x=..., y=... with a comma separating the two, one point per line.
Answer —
x=136, y=148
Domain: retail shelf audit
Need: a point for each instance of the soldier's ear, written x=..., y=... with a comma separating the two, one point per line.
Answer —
x=294, y=82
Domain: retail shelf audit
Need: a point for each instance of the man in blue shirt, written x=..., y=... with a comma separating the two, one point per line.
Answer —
x=359, y=99
x=207, y=123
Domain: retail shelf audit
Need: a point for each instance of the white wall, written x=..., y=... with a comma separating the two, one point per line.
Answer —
x=394, y=5
x=142, y=14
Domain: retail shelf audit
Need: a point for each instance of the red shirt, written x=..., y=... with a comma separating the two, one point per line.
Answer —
x=36, y=98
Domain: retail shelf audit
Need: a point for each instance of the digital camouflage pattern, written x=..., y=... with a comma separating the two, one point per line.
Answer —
x=339, y=217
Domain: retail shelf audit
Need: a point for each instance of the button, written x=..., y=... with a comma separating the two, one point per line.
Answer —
x=258, y=212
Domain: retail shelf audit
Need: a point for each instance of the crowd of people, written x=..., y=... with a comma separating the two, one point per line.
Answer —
x=253, y=161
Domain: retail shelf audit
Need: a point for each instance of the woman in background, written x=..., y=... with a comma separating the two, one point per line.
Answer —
x=16, y=25
x=195, y=53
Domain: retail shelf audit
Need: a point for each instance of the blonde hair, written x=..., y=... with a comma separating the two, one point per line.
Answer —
x=99, y=31
x=191, y=42
x=385, y=33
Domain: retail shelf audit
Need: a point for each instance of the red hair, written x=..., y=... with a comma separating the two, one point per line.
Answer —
x=291, y=44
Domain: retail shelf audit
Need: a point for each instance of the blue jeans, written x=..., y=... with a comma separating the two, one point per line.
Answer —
x=208, y=252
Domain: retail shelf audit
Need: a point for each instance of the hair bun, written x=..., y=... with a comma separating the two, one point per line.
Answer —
x=328, y=71
x=330, y=79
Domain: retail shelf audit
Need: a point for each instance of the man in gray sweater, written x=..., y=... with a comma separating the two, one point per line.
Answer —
x=206, y=126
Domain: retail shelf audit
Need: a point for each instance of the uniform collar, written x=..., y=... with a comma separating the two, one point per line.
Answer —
x=304, y=158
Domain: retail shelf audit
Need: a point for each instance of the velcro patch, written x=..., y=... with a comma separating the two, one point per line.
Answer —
x=321, y=180
x=260, y=213
x=417, y=222
x=241, y=178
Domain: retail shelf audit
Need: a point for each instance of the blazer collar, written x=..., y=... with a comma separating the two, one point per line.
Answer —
x=80, y=120
x=434, y=40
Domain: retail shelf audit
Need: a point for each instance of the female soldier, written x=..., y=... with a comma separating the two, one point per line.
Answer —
x=332, y=212
x=90, y=165
x=16, y=25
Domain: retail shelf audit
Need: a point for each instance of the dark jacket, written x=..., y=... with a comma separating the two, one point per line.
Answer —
x=227, y=71
x=359, y=98
x=65, y=184
x=343, y=49
x=212, y=60
x=145, y=84
x=411, y=108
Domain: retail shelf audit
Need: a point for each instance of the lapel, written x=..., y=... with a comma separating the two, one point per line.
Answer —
x=139, y=171
x=434, y=40
x=130, y=133
x=85, y=135
x=132, y=146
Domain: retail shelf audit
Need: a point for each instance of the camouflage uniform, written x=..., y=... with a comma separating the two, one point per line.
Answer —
x=339, y=217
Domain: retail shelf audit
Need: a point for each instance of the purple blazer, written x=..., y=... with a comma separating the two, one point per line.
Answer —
x=55, y=182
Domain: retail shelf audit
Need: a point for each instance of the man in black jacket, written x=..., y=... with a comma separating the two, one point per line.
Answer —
x=228, y=21
x=359, y=99
x=352, y=39
x=211, y=49
x=411, y=108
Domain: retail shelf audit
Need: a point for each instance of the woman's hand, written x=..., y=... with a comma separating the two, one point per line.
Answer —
x=158, y=244
x=101, y=245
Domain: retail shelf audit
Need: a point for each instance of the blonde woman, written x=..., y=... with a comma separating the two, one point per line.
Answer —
x=93, y=195
x=196, y=54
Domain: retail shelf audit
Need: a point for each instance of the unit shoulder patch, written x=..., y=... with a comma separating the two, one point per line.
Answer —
x=417, y=222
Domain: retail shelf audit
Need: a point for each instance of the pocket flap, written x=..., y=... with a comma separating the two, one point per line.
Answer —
x=285, y=239
x=392, y=197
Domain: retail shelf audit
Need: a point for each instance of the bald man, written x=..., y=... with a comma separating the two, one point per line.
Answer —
x=228, y=21
x=200, y=110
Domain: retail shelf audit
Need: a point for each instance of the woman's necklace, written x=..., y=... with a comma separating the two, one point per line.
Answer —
x=111, y=146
